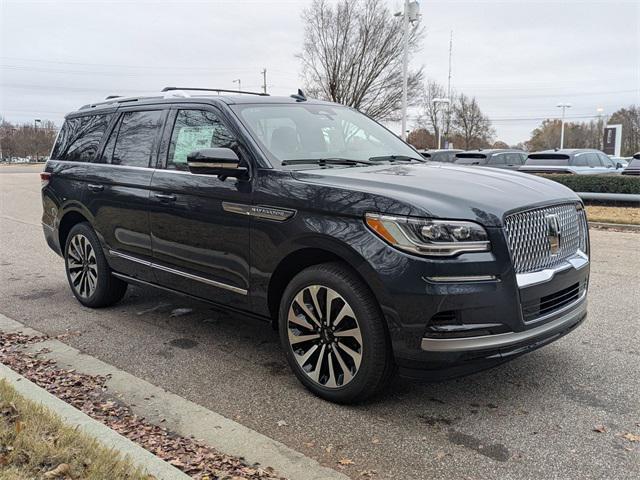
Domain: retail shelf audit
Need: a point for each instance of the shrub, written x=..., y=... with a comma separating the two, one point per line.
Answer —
x=598, y=183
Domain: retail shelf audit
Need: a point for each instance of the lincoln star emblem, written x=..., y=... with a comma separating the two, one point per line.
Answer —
x=553, y=233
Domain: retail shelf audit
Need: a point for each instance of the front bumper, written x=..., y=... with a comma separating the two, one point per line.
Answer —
x=576, y=312
x=507, y=313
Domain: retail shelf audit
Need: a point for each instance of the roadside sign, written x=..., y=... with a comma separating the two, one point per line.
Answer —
x=612, y=140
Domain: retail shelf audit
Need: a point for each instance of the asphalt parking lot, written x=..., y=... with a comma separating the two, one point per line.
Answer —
x=532, y=418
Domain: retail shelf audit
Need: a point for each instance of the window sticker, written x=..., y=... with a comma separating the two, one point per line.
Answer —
x=191, y=139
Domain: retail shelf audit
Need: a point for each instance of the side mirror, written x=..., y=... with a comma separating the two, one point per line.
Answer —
x=619, y=165
x=216, y=161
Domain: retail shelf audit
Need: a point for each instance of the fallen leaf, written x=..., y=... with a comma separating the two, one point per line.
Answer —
x=282, y=423
x=600, y=429
x=309, y=444
x=375, y=441
x=59, y=471
x=345, y=461
x=19, y=426
x=631, y=437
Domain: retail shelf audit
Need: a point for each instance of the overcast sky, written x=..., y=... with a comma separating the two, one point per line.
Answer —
x=519, y=58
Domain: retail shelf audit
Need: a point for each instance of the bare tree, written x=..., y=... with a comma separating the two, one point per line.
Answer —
x=422, y=139
x=352, y=54
x=25, y=140
x=470, y=123
x=433, y=116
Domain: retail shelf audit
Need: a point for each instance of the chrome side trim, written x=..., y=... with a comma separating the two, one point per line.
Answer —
x=471, y=278
x=197, y=278
x=500, y=340
x=173, y=271
x=578, y=261
x=259, y=211
x=130, y=258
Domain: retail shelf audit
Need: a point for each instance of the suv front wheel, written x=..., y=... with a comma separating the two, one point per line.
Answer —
x=333, y=334
x=87, y=269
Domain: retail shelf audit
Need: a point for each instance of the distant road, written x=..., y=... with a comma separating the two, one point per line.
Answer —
x=21, y=167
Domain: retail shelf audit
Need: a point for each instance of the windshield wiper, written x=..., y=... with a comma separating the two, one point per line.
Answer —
x=325, y=161
x=396, y=158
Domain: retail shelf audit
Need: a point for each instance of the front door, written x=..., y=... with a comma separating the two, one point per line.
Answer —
x=118, y=191
x=199, y=246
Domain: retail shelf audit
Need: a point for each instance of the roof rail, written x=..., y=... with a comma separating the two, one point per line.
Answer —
x=219, y=90
x=113, y=99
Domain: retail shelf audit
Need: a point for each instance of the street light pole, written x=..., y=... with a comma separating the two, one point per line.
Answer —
x=563, y=106
x=410, y=16
x=437, y=101
x=239, y=84
x=405, y=67
x=36, y=121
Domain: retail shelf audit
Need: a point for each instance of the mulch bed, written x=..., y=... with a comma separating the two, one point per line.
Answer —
x=89, y=394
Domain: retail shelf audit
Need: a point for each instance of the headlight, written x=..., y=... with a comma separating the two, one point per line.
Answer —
x=429, y=237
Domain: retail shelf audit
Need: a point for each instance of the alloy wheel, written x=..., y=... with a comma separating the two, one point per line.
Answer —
x=325, y=336
x=82, y=266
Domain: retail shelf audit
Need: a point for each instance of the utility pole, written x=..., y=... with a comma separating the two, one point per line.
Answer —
x=410, y=16
x=264, y=80
x=563, y=106
x=239, y=84
x=602, y=125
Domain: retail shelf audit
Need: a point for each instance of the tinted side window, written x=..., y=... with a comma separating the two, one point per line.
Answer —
x=107, y=153
x=581, y=160
x=606, y=161
x=195, y=130
x=80, y=137
x=593, y=160
x=136, y=138
x=498, y=159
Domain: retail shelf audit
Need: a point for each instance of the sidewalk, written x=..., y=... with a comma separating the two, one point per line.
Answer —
x=248, y=453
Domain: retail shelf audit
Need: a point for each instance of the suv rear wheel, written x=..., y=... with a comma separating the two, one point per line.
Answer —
x=88, y=273
x=333, y=334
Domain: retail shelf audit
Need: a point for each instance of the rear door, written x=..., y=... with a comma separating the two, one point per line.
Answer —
x=77, y=144
x=118, y=190
x=200, y=243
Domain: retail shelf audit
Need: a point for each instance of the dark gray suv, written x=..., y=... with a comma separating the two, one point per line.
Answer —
x=312, y=216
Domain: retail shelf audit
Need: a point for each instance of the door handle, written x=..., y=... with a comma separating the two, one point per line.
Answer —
x=166, y=197
x=95, y=188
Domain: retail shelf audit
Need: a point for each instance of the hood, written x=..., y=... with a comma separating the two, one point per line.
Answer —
x=442, y=190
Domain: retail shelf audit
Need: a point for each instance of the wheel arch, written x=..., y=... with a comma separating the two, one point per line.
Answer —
x=296, y=261
x=67, y=222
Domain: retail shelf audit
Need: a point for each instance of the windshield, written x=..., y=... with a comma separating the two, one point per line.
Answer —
x=307, y=131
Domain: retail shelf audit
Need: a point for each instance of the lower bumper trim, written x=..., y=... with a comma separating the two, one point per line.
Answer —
x=487, y=342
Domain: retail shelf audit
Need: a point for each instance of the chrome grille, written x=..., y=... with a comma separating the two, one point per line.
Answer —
x=528, y=236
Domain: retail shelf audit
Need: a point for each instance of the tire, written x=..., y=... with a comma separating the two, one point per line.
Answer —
x=88, y=272
x=355, y=326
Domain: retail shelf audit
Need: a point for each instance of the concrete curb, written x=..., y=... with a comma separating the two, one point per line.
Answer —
x=183, y=416
x=619, y=226
x=75, y=418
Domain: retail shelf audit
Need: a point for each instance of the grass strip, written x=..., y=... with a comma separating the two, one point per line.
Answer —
x=622, y=215
x=36, y=444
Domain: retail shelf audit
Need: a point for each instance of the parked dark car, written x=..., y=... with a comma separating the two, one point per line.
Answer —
x=314, y=217
x=495, y=158
x=577, y=161
x=446, y=156
x=634, y=166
